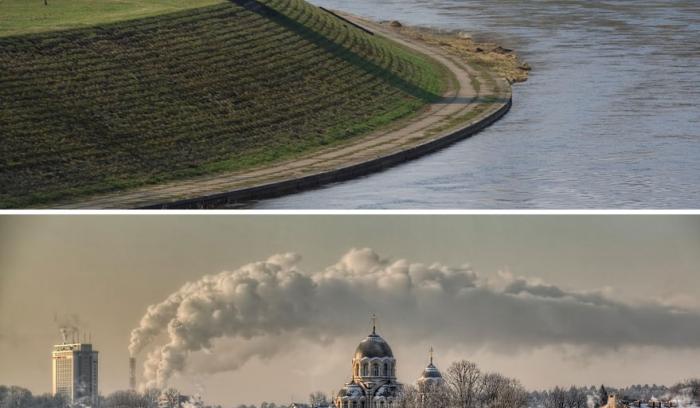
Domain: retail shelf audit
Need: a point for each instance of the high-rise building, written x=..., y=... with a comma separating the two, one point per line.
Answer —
x=74, y=370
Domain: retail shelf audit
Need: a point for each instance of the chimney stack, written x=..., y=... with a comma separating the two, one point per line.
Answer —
x=132, y=373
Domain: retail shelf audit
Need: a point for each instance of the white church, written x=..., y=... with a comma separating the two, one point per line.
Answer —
x=373, y=383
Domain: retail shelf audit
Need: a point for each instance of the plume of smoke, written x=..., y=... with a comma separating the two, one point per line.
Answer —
x=68, y=325
x=231, y=354
x=272, y=301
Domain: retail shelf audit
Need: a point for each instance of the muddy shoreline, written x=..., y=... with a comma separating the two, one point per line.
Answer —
x=489, y=55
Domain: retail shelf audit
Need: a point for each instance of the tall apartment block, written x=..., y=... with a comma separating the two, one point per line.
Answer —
x=74, y=370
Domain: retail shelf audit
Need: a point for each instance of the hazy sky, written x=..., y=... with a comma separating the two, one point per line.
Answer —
x=551, y=300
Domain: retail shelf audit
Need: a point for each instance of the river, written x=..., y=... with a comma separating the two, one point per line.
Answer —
x=610, y=117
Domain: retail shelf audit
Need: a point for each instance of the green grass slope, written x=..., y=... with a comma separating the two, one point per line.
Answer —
x=32, y=16
x=217, y=88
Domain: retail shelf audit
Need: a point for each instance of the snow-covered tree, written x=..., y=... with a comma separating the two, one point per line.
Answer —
x=464, y=379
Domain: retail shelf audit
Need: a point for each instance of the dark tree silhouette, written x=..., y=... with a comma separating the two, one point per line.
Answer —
x=602, y=396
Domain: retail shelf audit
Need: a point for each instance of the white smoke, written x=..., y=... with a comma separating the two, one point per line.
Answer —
x=273, y=301
x=69, y=327
x=228, y=354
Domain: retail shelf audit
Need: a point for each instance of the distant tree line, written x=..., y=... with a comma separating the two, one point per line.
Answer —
x=465, y=386
x=688, y=388
x=584, y=397
x=264, y=404
x=18, y=397
x=573, y=397
x=146, y=399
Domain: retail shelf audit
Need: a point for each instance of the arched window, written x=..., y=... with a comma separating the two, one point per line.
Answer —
x=357, y=370
x=365, y=370
x=362, y=404
x=354, y=404
x=381, y=404
x=375, y=370
x=386, y=369
x=345, y=404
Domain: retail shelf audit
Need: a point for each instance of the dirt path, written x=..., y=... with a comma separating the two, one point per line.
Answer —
x=432, y=123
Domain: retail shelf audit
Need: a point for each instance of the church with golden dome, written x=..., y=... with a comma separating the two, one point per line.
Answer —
x=373, y=382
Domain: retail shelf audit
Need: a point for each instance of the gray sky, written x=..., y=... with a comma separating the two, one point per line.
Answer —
x=601, y=271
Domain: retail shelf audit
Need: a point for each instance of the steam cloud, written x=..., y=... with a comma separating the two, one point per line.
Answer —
x=274, y=301
x=68, y=326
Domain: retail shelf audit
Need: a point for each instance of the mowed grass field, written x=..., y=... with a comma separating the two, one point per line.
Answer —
x=216, y=88
x=32, y=16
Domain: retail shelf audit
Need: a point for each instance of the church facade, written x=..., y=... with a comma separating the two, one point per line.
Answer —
x=373, y=382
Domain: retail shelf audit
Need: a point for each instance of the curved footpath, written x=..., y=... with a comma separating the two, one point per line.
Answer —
x=462, y=112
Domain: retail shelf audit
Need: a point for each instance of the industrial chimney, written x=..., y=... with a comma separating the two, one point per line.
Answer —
x=132, y=373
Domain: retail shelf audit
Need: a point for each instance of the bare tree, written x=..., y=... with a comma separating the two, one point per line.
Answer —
x=576, y=398
x=694, y=385
x=511, y=395
x=172, y=396
x=434, y=395
x=408, y=397
x=18, y=397
x=125, y=399
x=555, y=398
x=151, y=395
x=464, y=379
x=498, y=391
x=317, y=399
x=492, y=385
x=689, y=388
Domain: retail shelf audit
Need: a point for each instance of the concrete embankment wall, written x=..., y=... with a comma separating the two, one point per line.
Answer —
x=280, y=188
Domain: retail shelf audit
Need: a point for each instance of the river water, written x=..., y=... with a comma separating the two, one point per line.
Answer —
x=610, y=117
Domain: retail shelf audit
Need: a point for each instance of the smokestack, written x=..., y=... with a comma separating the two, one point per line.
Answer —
x=132, y=373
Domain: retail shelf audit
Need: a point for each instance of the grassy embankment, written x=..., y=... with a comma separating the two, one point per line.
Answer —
x=199, y=91
x=32, y=16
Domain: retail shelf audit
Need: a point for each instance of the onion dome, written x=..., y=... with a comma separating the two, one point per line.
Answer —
x=373, y=346
x=430, y=373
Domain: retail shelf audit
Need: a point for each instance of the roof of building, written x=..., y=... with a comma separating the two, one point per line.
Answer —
x=431, y=372
x=350, y=390
x=373, y=346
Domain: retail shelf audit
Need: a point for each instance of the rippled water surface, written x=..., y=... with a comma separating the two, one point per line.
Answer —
x=610, y=117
